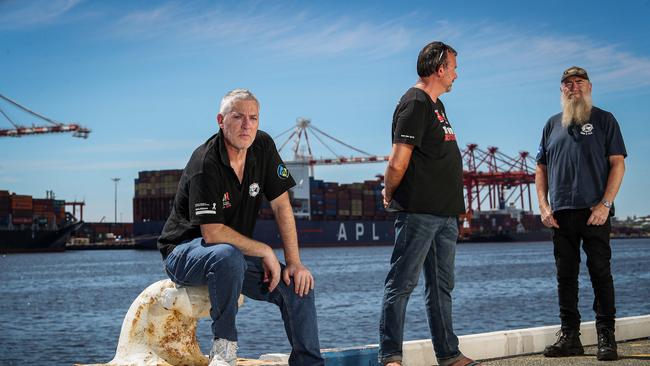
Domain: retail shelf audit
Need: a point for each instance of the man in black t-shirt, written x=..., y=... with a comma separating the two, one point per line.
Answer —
x=424, y=185
x=580, y=166
x=207, y=237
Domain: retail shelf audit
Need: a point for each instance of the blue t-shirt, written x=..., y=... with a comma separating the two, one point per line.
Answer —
x=577, y=159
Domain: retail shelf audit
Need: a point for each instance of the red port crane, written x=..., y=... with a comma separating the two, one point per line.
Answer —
x=53, y=127
x=492, y=178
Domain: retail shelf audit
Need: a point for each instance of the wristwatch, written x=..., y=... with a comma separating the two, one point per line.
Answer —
x=607, y=204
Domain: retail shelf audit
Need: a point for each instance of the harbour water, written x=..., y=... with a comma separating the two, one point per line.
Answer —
x=63, y=308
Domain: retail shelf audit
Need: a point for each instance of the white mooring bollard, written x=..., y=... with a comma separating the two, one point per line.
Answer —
x=160, y=327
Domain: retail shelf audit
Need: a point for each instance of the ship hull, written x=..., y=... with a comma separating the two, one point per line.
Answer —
x=531, y=236
x=33, y=241
x=330, y=233
x=334, y=233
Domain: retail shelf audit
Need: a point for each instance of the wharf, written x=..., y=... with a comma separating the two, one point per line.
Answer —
x=631, y=353
x=503, y=348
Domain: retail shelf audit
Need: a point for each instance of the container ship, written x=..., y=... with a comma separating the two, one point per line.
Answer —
x=30, y=224
x=327, y=214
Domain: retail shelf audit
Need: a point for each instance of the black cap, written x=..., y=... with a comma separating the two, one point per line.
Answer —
x=574, y=71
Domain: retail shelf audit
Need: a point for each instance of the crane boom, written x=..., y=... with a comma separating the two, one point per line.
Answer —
x=54, y=127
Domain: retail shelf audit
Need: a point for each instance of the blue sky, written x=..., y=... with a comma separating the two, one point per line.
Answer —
x=147, y=78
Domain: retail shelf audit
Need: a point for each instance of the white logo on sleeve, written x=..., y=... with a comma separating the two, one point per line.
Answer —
x=254, y=189
x=204, y=208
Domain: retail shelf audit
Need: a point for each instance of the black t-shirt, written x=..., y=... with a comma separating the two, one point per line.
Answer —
x=433, y=182
x=577, y=159
x=210, y=193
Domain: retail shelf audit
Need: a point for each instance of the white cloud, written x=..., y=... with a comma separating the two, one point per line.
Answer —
x=491, y=53
x=514, y=56
x=345, y=35
x=25, y=14
x=295, y=33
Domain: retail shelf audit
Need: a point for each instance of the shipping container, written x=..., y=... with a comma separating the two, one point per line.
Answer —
x=21, y=220
x=152, y=208
x=22, y=213
x=20, y=202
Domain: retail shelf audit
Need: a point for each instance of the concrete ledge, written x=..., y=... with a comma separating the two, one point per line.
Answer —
x=533, y=340
x=484, y=345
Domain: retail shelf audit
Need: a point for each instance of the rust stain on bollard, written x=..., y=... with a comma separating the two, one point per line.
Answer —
x=160, y=327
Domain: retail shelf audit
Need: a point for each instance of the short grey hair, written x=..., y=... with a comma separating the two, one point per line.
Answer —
x=234, y=95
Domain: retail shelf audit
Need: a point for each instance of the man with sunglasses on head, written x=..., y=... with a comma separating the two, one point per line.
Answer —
x=424, y=186
x=580, y=167
x=207, y=237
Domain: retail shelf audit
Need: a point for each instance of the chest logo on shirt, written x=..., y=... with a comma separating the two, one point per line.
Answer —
x=225, y=201
x=253, y=189
x=446, y=126
x=587, y=129
x=283, y=172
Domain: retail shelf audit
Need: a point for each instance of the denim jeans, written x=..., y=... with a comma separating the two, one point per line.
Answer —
x=422, y=242
x=566, y=248
x=228, y=273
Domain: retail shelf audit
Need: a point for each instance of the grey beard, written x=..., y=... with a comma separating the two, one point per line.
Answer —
x=575, y=111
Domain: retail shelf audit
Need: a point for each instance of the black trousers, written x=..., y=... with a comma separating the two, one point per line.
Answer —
x=595, y=242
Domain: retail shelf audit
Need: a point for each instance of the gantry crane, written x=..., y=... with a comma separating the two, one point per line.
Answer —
x=303, y=127
x=53, y=127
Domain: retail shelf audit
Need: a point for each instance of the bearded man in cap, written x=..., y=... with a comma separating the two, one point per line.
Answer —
x=580, y=167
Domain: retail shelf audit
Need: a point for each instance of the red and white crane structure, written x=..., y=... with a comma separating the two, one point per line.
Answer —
x=20, y=130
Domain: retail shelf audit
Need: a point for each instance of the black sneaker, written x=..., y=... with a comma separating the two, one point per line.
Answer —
x=568, y=344
x=607, y=350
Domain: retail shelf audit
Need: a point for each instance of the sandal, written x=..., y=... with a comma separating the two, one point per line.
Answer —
x=464, y=361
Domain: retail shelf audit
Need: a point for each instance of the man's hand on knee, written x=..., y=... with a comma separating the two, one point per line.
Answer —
x=272, y=269
x=302, y=278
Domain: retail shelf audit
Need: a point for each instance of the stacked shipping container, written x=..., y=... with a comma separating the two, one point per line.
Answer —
x=59, y=210
x=44, y=211
x=334, y=201
x=4, y=208
x=155, y=191
x=154, y=194
x=23, y=210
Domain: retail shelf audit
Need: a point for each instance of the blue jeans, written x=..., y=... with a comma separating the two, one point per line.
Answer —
x=228, y=273
x=422, y=241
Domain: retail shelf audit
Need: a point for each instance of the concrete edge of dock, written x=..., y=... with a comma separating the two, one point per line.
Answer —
x=481, y=346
